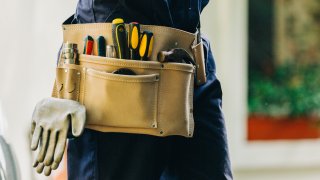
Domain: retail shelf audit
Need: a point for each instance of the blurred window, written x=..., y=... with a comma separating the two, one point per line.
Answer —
x=284, y=69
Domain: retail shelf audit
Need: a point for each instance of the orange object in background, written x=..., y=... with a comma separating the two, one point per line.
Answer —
x=277, y=128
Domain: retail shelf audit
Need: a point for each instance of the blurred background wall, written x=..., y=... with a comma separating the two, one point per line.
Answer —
x=31, y=36
x=227, y=24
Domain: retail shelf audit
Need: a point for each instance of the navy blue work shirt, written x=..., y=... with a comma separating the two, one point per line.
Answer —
x=181, y=14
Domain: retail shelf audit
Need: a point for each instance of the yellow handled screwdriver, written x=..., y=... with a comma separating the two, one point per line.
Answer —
x=134, y=37
x=146, y=45
x=119, y=35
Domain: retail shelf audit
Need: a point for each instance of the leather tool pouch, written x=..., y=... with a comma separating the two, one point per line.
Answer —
x=158, y=100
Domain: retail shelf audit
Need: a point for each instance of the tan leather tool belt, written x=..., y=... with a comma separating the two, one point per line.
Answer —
x=157, y=101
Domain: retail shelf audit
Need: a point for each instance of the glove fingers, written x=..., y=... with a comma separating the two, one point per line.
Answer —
x=36, y=137
x=47, y=170
x=78, y=120
x=61, y=144
x=40, y=168
x=51, y=148
x=44, y=146
x=35, y=163
x=33, y=126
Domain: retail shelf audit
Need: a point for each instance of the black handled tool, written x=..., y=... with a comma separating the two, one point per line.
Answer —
x=134, y=37
x=101, y=42
x=146, y=45
x=119, y=35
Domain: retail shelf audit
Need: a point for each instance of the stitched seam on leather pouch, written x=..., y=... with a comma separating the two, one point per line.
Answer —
x=78, y=85
x=83, y=85
x=159, y=104
x=191, y=116
x=135, y=65
x=179, y=69
x=156, y=29
x=124, y=81
x=87, y=27
x=155, y=105
x=120, y=64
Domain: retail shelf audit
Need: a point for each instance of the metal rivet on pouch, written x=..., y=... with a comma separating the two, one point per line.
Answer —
x=190, y=135
x=194, y=67
x=153, y=125
x=66, y=70
x=78, y=73
x=161, y=132
x=157, y=77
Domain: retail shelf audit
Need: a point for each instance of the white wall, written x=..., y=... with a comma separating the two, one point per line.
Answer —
x=225, y=22
x=30, y=38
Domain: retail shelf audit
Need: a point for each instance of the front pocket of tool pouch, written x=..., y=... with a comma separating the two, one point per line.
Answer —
x=67, y=83
x=116, y=100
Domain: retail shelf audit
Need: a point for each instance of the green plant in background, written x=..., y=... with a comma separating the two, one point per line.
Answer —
x=292, y=90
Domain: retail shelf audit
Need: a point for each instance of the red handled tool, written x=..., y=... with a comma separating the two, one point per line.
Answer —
x=88, y=45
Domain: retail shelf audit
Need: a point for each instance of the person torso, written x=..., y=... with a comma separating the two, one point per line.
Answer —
x=181, y=14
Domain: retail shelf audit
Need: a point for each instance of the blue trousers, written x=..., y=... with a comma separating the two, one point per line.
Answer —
x=118, y=156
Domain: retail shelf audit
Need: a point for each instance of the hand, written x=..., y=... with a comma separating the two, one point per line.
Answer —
x=51, y=120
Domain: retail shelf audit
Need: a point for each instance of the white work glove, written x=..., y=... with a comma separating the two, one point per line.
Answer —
x=51, y=121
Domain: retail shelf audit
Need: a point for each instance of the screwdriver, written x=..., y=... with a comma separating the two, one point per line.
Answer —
x=134, y=36
x=88, y=45
x=101, y=42
x=119, y=35
x=146, y=45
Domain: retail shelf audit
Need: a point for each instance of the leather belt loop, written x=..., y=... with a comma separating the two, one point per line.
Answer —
x=198, y=54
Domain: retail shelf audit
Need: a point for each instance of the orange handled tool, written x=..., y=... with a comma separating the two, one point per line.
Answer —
x=88, y=45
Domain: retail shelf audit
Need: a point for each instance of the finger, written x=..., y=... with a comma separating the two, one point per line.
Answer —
x=44, y=146
x=36, y=137
x=61, y=144
x=33, y=126
x=40, y=168
x=51, y=148
x=78, y=120
x=47, y=170
x=35, y=163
